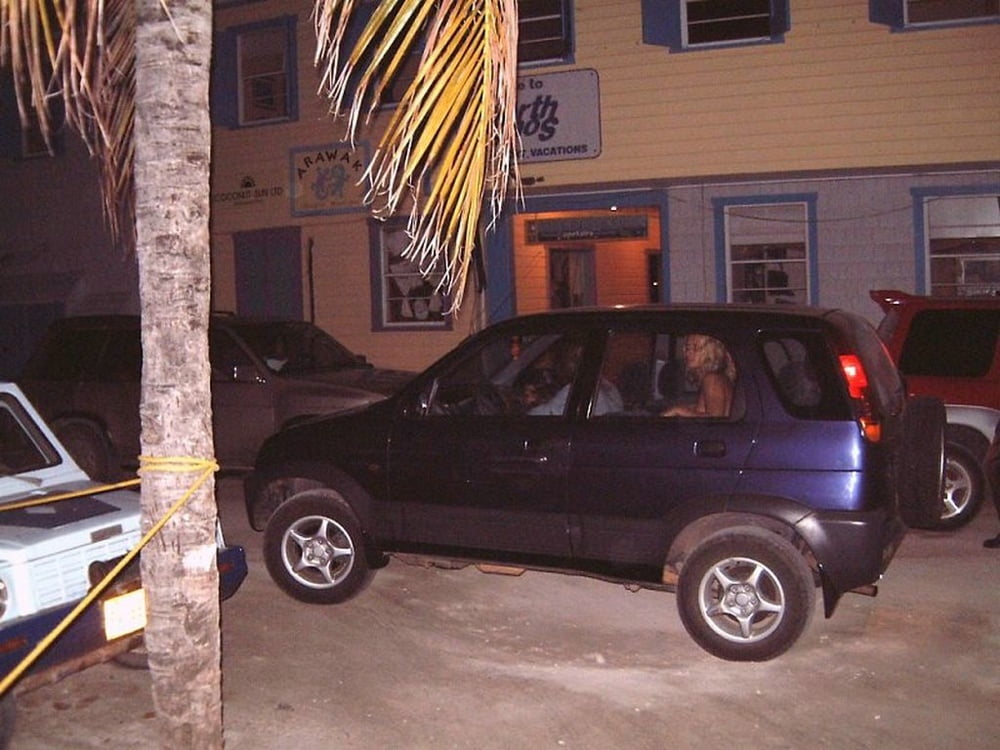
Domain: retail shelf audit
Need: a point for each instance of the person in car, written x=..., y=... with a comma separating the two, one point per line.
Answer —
x=711, y=368
x=992, y=464
x=567, y=363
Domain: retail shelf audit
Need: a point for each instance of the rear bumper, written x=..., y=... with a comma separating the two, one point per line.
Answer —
x=83, y=643
x=851, y=549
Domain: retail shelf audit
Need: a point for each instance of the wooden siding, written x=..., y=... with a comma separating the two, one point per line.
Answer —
x=840, y=92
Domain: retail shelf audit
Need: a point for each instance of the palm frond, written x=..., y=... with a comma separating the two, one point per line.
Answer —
x=452, y=138
x=82, y=54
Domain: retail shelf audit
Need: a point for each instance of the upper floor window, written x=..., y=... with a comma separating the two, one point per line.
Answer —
x=768, y=252
x=543, y=31
x=254, y=74
x=264, y=73
x=697, y=24
x=915, y=13
x=715, y=21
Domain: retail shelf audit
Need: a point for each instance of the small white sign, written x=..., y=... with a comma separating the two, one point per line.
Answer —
x=559, y=116
x=124, y=614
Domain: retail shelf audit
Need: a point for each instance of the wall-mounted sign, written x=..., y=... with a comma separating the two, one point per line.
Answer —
x=559, y=116
x=325, y=179
x=248, y=191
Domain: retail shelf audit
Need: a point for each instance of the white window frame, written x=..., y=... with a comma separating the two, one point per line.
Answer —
x=961, y=244
x=798, y=285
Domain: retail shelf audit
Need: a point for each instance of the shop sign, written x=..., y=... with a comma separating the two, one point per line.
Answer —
x=247, y=192
x=327, y=179
x=559, y=116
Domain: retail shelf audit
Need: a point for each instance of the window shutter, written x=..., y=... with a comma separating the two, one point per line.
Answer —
x=292, y=61
x=780, y=19
x=889, y=12
x=224, y=99
x=661, y=23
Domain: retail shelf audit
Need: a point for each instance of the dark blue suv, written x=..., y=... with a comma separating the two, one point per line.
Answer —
x=742, y=456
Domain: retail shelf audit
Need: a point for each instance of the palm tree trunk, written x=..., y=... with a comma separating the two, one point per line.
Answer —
x=172, y=153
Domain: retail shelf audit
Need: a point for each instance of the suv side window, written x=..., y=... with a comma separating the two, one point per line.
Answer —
x=800, y=369
x=935, y=347
x=661, y=373
x=121, y=359
x=69, y=355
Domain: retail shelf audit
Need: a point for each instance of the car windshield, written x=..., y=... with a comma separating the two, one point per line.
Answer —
x=296, y=347
x=23, y=448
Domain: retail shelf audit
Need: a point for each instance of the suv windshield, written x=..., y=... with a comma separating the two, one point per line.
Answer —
x=295, y=347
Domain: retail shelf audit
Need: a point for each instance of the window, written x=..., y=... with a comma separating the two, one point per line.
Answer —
x=402, y=297
x=263, y=66
x=767, y=253
x=900, y=14
x=932, y=349
x=254, y=74
x=543, y=31
x=963, y=244
x=695, y=24
x=805, y=382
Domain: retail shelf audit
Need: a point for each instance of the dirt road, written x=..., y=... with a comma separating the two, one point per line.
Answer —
x=459, y=659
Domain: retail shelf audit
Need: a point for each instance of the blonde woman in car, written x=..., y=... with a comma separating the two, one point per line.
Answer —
x=711, y=368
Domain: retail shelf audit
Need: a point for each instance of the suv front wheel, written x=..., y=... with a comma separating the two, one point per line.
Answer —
x=745, y=594
x=313, y=549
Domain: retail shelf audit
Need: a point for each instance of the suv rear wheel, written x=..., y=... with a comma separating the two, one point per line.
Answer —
x=963, y=487
x=745, y=594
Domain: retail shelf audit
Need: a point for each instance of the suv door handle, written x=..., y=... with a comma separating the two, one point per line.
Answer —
x=710, y=448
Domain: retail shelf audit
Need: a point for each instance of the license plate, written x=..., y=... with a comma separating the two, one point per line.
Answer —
x=124, y=614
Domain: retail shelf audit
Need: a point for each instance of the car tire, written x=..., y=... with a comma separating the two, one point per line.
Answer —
x=964, y=485
x=921, y=479
x=745, y=594
x=314, y=550
x=88, y=447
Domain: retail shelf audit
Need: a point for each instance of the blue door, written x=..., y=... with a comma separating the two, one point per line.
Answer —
x=269, y=273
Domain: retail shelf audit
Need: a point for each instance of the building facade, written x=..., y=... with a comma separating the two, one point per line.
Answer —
x=790, y=151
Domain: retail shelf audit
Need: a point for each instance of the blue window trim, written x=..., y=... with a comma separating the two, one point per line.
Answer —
x=375, y=277
x=719, y=206
x=891, y=13
x=501, y=292
x=920, y=195
x=661, y=25
x=225, y=74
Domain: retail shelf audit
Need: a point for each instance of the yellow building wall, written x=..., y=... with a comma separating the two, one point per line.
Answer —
x=840, y=92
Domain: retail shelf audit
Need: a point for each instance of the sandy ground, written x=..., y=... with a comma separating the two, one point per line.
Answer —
x=428, y=658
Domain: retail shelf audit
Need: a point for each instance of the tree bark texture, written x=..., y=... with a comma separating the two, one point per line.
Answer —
x=172, y=153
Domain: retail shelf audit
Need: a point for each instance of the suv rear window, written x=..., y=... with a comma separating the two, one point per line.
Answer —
x=800, y=367
x=933, y=346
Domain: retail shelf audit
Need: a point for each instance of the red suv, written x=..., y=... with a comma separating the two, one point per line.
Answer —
x=948, y=347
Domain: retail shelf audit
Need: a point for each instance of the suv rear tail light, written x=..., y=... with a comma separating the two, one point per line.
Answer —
x=857, y=387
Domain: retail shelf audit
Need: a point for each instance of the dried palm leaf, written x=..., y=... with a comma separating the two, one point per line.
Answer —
x=452, y=138
x=82, y=54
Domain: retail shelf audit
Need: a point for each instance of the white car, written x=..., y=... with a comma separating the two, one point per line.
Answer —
x=51, y=553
